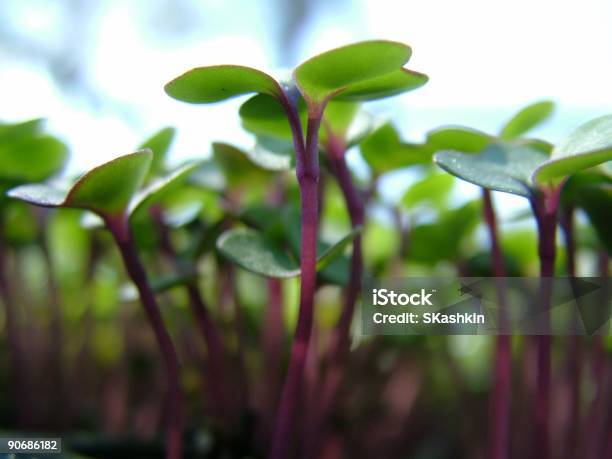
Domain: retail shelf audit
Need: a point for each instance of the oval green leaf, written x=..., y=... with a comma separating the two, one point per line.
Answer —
x=384, y=152
x=526, y=119
x=327, y=74
x=588, y=146
x=458, y=138
x=252, y=251
x=205, y=85
x=105, y=190
x=391, y=84
x=500, y=167
x=432, y=190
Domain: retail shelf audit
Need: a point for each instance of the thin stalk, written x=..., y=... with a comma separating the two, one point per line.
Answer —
x=217, y=378
x=499, y=403
x=574, y=353
x=545, y=209
x=340, y=338
x=595, y=437
x=119, y=228
x=18, y=374
x=307, y=175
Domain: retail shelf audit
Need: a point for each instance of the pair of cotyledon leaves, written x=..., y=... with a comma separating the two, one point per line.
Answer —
x=361, y=71
x=112, y=190
x=522, y=167
x=358, y=72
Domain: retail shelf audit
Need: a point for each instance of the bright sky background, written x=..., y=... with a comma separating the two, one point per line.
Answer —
x=485, y=59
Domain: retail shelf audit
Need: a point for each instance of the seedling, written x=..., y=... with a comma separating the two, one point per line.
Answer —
x=531, y=173
x=111, y=191
x=363, y=71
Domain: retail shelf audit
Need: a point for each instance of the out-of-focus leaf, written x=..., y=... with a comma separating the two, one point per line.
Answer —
x=209, y=176
x=384, y=152
x=159, y=143
x=526, y=119
x=237, y=166
x=434, y=189
x=31, y=159
x=442, y=240
x=458, y=138
x=220, y=82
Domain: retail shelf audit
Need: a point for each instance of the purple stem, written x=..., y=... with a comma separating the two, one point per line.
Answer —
x=120, y=230
x=545, y=209
x=18, y=373
x=307, y=175
x=273, y=339
x=340, y=338
x=574, y=353
x=499, y=404
x=217, y=380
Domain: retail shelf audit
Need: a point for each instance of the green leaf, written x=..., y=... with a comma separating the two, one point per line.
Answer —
x=589, y=145
x=252, y=251
x=105, y=190
x=31, y=159
x=255, y=252
x=160, y=187
x=500, y=167
x=458, y=138
x=205, y=85
x=391, y=84
x=384, y=152
x=443, y=240
x=332, y=72
x=528, y=118
x=159, y=143
x=432, y=190
x=237, y=166
x=264, y=115
x=10, y=132
x=334, y=251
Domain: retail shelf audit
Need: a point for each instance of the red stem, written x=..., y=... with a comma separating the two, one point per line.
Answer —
x=545, y=209
x=499, y=403
x=340, y=339
x=18, y=373
x=119, y=228
x=574, y=353
x=307, y=174
x=217, y=380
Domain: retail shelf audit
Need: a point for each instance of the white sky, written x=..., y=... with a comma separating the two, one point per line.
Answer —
x=485, y=59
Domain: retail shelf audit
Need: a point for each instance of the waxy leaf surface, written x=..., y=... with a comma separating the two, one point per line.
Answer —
x=499, y=167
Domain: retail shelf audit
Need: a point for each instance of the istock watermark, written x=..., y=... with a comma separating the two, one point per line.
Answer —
x=487, y=306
